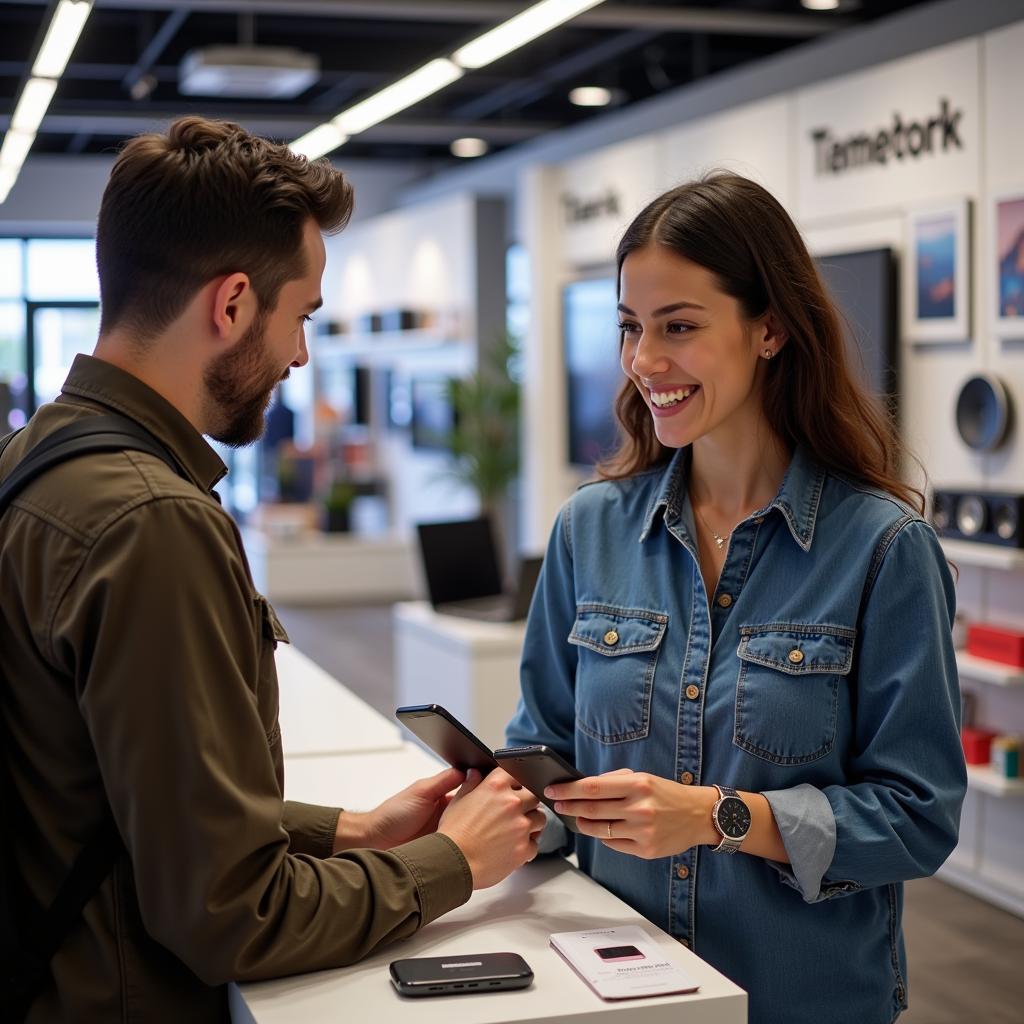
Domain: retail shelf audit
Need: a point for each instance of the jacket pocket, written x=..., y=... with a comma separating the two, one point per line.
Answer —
x=615, y=673
x=271, y=634
x=787, y=693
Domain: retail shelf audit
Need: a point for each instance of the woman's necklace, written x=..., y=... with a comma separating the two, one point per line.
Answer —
x=719, y=540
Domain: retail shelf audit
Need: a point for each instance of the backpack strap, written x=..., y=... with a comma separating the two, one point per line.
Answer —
x=27, y=952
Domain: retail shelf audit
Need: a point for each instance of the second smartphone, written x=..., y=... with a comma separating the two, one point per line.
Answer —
x=536, y=767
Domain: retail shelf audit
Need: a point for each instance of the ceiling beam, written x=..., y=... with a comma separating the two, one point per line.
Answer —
x=156, y=46
x=487, y=12
x=424, y=132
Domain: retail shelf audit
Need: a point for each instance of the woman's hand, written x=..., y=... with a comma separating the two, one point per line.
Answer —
x=648, y=816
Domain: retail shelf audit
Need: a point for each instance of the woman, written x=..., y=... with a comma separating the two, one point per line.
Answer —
x=750, y=600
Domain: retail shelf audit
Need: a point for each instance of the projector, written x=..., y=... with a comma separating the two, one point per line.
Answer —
x=254, y=72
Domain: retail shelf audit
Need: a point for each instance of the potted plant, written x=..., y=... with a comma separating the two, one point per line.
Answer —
x=337, y=506
x=484, y=440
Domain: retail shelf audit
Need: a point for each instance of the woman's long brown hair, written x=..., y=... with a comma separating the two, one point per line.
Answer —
x=734, y=228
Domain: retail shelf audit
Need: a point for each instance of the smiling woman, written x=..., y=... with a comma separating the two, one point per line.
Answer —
x=753, y=533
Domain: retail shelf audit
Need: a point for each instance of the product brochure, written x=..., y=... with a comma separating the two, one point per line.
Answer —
x=622, y=963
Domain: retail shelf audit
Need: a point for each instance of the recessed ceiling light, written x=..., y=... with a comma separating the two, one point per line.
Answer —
x=590, y=96
x=821, y=5
x=468, y=147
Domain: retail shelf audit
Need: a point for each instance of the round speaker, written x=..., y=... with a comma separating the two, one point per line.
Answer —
x=1004, y=520
x=971, y=515
x=983, y=413
x=942, y=511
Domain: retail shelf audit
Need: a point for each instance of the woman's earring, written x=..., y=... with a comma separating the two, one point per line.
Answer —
x=767, y=353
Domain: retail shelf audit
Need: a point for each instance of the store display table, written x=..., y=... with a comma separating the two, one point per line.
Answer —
x=320, y=716
x=469, y=667
x=518, y=915
x=311, y=567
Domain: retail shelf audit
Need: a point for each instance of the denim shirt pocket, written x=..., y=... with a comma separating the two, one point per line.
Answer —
x=787, y=693
x=615, y=672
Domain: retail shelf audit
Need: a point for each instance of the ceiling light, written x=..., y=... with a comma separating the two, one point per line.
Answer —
x=468, y=147
x=318, y=142
x=15, y=148
x=517, y=31
x=32, y=104
x=61, y=36
x=590, y=96
x=8, y=176
x=404, y=93
x=821, y=5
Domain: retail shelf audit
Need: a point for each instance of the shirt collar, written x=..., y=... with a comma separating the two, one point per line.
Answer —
x=797, y=500
x=108, y=385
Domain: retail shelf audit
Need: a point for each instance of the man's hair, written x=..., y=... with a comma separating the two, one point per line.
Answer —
x=205, y=200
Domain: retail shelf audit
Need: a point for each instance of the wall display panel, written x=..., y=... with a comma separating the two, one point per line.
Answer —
x=590, y=337
x=754, y=141
x=1007, y=270
x=937, y=296
x=600, y=194
x=863, y=285
x=899, y=134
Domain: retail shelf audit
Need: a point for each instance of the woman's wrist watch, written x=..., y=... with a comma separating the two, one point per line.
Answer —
x=731, y=818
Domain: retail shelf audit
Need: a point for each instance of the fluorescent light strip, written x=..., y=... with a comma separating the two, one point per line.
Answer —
x=62, y=35
x=518, y=31
x=35, y=98
x=404, y=93
x=15, y=148
x=320, y=140
x=8, y=175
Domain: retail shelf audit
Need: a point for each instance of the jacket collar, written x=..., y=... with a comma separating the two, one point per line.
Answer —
x=797, y=501
x=108, y=385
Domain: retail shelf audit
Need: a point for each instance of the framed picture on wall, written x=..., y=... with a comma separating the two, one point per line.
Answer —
x=1008, y=273
x=937, y=302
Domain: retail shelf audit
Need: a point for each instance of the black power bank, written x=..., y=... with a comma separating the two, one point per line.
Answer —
x=457, y=974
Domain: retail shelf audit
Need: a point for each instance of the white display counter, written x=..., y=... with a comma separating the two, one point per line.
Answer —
x=469, y=667
x=518, y=915
x=319, y=716
x=312, y=567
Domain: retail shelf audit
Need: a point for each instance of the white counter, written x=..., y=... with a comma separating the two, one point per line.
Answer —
x=517, y=915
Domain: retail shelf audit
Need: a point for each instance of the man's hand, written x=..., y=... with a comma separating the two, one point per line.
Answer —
x=409, y=814
x=496, y=824
x=649, y=816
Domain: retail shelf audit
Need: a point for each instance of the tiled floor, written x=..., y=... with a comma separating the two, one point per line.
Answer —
x=965, y=957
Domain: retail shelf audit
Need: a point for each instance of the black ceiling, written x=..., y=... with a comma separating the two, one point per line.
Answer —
x=638, y=47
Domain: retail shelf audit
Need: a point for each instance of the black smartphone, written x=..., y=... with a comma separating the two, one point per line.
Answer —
x=455, y=975
x=447, y=736
x=536, y=767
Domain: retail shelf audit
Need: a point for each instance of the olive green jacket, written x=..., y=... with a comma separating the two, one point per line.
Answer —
x=137, y=672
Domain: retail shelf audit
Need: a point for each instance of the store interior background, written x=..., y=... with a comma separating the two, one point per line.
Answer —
x=446, y=259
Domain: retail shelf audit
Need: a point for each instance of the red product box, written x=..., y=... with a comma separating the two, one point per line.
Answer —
x=977, y=745
x=996, y=644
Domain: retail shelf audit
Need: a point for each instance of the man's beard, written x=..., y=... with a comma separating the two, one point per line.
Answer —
x=239, y=385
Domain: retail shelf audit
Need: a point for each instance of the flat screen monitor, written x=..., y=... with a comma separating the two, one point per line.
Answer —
x=863, y=285
x=432, y=416
x=593, y=376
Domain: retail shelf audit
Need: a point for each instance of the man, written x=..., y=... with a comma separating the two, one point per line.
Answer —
x=136, y=658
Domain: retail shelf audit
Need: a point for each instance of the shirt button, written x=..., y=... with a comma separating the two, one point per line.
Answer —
x=683, y=871
x=611, y=638
x=759, y=520
x=724, y=600
x=686, y=778
x=796, y=656
x=684, y=942
x=692, y=692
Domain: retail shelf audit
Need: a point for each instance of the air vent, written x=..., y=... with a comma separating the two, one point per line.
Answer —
x=253, y=72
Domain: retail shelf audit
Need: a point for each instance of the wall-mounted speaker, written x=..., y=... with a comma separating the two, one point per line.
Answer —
x=982, y=516
x=984, y=413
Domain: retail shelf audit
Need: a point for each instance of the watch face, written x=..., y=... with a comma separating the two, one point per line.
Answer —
x=733, y=818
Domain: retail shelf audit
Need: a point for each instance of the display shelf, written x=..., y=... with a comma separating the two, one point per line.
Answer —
x=385, y=342
x=985, y=780
x=988, y=556
x=987, y=671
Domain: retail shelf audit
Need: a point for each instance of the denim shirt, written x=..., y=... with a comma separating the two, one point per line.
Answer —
x=820, y=673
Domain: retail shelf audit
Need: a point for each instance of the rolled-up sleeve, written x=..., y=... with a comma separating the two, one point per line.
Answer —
x=898, y=816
